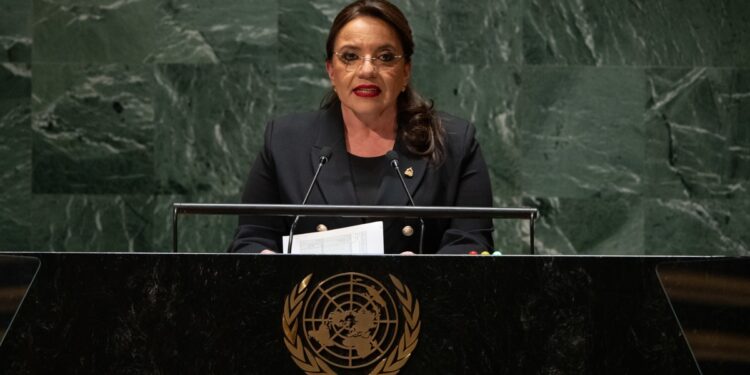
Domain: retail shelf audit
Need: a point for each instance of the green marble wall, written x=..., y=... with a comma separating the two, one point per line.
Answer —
x=626, y=123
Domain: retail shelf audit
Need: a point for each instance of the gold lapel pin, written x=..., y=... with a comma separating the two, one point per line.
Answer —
x=409, y=172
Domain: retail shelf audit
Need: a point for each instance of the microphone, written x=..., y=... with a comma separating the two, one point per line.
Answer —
x=325, y=154
x=393, y=156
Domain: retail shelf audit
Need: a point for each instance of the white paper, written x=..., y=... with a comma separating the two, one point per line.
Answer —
x=354, y=240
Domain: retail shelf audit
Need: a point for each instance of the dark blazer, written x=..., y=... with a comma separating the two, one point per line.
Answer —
x=285, y=167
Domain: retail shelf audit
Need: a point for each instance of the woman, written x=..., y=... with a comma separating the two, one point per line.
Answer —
x=370, y=111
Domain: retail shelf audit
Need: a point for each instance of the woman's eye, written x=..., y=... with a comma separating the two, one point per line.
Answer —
x=349, y=56
x=386, y=57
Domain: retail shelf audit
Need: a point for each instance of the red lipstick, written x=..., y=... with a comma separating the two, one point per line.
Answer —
x=367, y=91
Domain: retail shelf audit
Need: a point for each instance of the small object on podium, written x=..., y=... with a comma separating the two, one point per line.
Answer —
x=497, y=253
x=473, y=252
x=485, y=252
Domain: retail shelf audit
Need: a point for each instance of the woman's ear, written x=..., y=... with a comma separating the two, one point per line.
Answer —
x=329, y=69
x=407, y=73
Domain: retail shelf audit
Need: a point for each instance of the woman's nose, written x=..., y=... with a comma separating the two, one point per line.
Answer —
x=368, y=68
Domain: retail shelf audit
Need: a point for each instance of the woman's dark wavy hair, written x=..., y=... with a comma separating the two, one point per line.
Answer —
x=419, y=126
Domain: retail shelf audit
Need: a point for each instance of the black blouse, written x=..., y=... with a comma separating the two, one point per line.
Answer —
x=367, y=175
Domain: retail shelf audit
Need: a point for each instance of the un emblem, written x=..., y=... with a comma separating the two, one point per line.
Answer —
x=350, y=321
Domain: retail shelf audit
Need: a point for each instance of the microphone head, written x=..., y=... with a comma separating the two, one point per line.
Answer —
x=325, y=154
x=392, y=157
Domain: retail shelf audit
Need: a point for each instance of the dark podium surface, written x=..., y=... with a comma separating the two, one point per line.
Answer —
x=222, y=314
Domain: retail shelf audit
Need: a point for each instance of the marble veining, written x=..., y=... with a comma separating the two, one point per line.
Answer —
x=196, y=233
x=305, y=44
x=206, y=143
x=91, y=223
x=697, y=225
x=671, y=33
x=591, y=226
x=452, y=32
x=563, y=128
x=15, y=31
x=300, y=87
x=698, y=145
x=212, y=32
x=119, y=31
x=619, y=120
x=15, y=165
x=71, y=152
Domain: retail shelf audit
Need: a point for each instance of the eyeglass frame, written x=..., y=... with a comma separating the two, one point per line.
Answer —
x=396, y=59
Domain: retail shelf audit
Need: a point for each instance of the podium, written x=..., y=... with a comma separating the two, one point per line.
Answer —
x=127, y=313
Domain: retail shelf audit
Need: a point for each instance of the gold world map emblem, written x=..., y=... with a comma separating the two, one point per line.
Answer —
x=350, y=321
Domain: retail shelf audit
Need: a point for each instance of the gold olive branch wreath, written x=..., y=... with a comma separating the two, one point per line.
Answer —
x=312, y=364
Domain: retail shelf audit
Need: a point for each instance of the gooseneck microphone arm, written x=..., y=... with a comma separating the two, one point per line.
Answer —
x=393, y=156
x=325, y=154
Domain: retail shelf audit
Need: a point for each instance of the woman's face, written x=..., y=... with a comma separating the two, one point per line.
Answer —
x=368, y=89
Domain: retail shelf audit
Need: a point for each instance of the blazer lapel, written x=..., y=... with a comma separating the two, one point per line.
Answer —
x=335, y=181
x=391, y=192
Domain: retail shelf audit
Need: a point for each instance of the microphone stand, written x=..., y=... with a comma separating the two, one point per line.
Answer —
x=325, y=153
x=394, y=163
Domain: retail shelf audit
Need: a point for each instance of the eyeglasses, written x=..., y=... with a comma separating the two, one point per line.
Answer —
x=353, y=61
